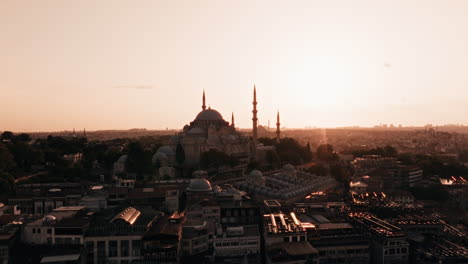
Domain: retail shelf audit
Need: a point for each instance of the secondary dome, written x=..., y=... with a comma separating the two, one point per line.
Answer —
x=122, y=159
x=255, y=173
x=209, y=115
x=165, y=150
x=289, y=167
x=199, y=185
x=159, y=156
x=256, y=177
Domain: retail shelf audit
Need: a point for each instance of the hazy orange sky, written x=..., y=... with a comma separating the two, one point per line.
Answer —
x=112, y=64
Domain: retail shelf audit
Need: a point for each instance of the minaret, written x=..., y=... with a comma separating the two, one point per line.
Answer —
x=84, y=132
x=254, y=122
x=232, y=120
x=278, y=132
x=204, y=105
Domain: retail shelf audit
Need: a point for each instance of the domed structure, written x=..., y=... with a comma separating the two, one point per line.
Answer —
x=206, y=118
x=165, y=155
x=256, y=177
x=166, y=150
x=209, y=114
x=207, y=131
x=199, y=185
x=255, y=173
x=289, y=167
x=122, y=159
x=161, y=157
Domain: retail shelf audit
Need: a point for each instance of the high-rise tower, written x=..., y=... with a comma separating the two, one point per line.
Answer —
x=254, y=122
x=278, y=132
x=204, y=104
x=232, y=120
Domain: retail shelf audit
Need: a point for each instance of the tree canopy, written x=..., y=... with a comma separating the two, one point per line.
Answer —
x=289, y=150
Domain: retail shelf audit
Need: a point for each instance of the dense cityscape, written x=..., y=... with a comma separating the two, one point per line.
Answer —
x=237, y=132
x=212, y=193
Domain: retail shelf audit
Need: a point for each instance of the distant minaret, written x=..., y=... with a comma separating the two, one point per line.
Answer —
x=204, y=105
x=254, y=122
x=84, y=132
x=278, y=132
x=74, y=132
x=232, y=120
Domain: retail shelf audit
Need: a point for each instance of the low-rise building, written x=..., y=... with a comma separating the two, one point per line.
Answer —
x=387, y=242
x=237, y=241
x=117, y=235
x=196, y=238
x=339, y=243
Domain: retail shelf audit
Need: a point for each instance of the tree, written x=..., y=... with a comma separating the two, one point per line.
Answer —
x=7, y=135
x=325, y=152
x=308, y=147
x=7, y=186
x=341, y=175
x=272, y=158
x=180, y=154
x=289, y=150
x=25, y=155
x=7, y=162
x=318, y=169
x=23, y=137
x=139, y=160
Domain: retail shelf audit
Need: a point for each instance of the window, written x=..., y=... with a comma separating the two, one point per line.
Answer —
x=124, y=248
x=38, y=230
x=136, y=248
x=113, y=248
x=90, y=245
x=34, y=230
x=101, y=249
x=403, y=250
x=49, y=231
x=285, y=239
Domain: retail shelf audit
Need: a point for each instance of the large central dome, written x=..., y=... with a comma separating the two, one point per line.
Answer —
x=209, y=115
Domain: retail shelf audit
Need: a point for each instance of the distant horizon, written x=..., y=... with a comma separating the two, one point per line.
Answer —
x=396, y=127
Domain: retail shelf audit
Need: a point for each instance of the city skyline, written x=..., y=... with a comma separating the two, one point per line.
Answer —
x=114, y=65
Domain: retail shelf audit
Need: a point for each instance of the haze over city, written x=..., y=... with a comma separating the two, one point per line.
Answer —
x=122, y=64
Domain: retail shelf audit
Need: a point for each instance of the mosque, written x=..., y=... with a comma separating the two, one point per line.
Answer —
x=209, y=131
